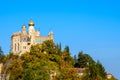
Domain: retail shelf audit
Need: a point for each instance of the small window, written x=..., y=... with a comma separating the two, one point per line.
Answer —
x=18, y=46
x=15, y=47
x=24, y=39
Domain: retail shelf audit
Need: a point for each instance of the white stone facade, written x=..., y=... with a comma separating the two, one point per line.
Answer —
x=22, y=41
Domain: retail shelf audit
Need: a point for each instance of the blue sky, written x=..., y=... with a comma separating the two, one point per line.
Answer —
x=91, y=26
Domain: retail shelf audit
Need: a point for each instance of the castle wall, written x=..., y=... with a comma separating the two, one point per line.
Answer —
x=16, y=44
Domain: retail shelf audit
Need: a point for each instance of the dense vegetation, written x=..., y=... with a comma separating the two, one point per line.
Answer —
x=47, y=61
x=1, y=55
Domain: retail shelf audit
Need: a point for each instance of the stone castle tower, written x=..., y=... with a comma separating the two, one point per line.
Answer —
x=22, y=41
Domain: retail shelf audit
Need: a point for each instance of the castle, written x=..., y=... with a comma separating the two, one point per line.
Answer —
x=22, y=41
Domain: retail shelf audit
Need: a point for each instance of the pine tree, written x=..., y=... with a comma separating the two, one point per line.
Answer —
x=101, y=69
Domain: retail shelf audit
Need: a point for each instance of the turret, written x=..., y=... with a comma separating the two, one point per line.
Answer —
x=24, y=29
x=31, y=31
x=31, y=27
x=51, y=35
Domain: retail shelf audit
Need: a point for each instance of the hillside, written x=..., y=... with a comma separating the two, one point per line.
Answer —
x=47, y=61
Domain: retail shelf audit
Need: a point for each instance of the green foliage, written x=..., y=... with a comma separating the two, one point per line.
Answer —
x=95, y=70
x=68, y=74
x=36, y=64
x=92, y=72
x=67, y=49
x=35, y=71
x=101, y=69
x=75, y=58
x=46, y=58
x=1, y=54
x=83, y=60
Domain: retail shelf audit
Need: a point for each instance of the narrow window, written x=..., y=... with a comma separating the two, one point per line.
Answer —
x=15, y=47
x=18, y=46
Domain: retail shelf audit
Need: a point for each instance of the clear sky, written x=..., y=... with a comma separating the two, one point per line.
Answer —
x=91, y=26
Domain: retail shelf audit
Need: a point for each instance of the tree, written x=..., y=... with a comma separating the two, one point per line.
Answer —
x=83, y=60
x=67, y=49
x=94, y=70
x=75, y=58
x=15, y=69
x=101, y=69
x=1, y=54
x=35, y=71
x=68, y=74
x=47, y=58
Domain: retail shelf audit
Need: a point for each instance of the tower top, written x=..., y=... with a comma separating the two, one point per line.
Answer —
x=23, y=26
x=31, y=23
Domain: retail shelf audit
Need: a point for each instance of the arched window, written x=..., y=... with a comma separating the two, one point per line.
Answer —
x=15, y=47
x=18, y=46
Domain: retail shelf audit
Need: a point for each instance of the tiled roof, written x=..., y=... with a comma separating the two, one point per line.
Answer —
x=16, y=34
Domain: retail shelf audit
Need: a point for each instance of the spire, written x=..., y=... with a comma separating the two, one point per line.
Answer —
x=31, y=23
